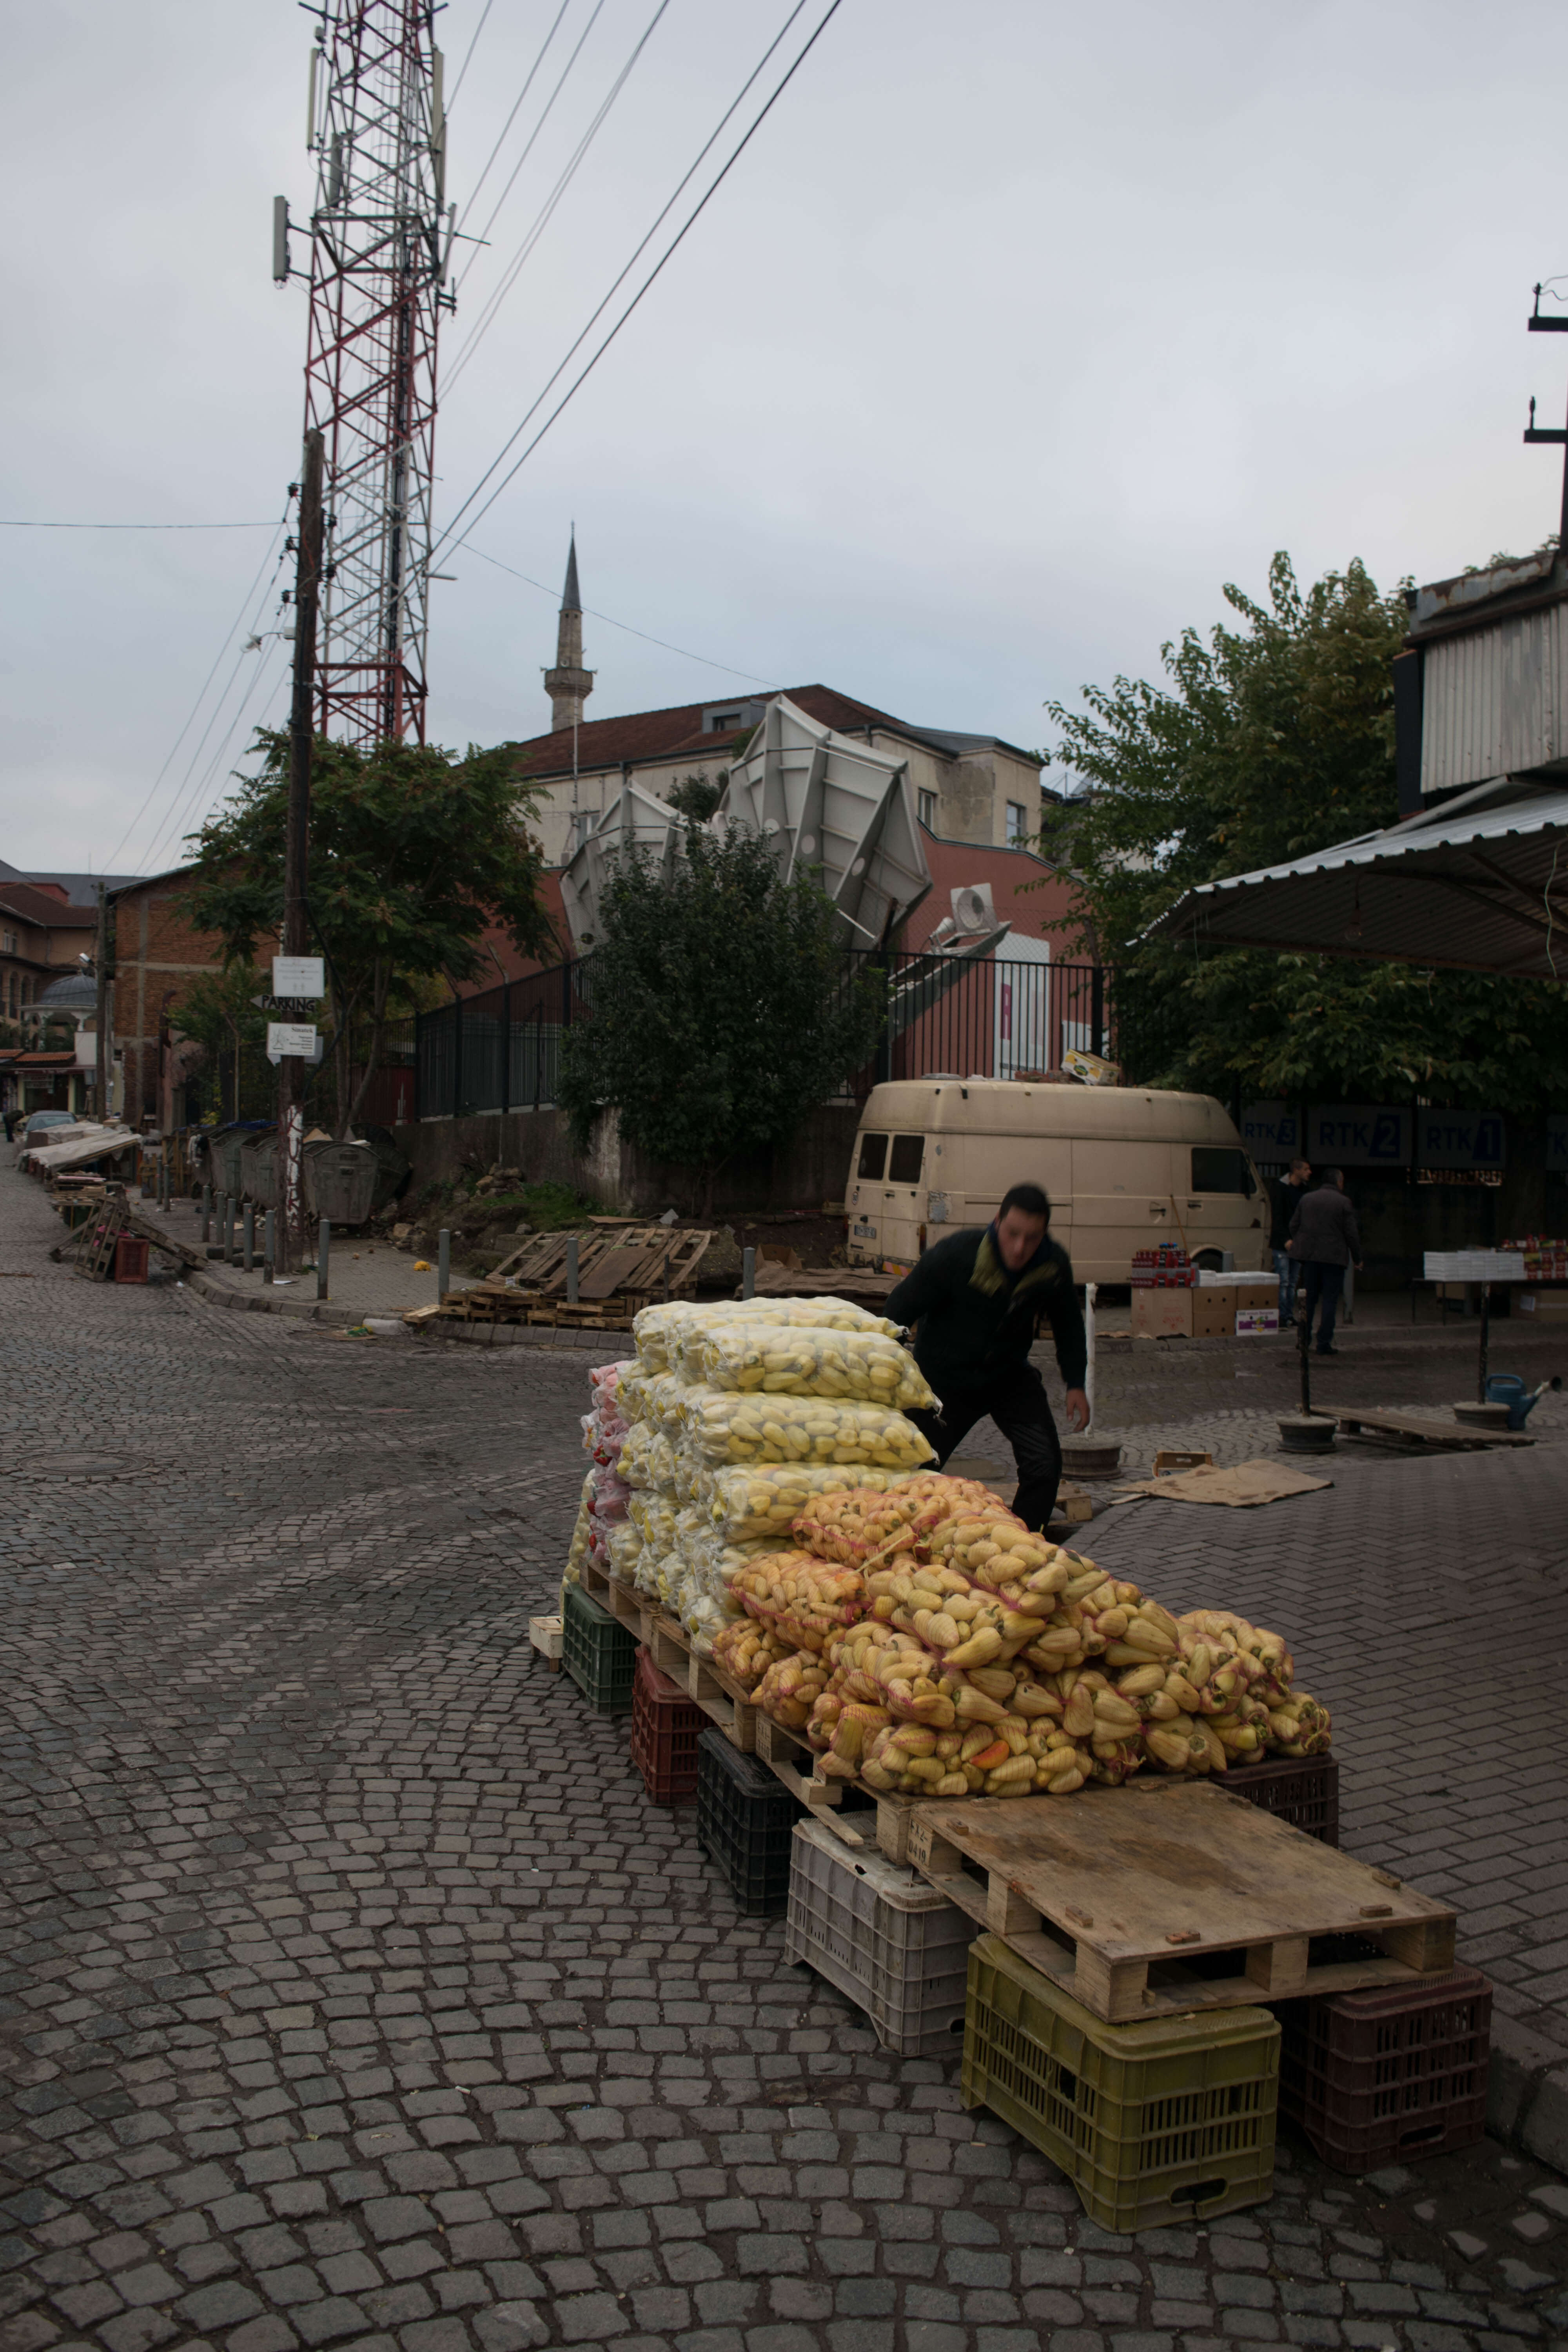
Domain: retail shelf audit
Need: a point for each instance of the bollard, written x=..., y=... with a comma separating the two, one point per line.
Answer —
x=248, y=1246
x=323, y=1255
x=748, y=1273
x=571, y=1269
x=443, y=1264
x=222, y=1226
x=207, y=1212
x=269, y=1248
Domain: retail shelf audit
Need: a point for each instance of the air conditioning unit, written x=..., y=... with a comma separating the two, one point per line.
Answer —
x=972, y=910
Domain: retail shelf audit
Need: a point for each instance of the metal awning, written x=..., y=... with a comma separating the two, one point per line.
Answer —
x=1480, y=884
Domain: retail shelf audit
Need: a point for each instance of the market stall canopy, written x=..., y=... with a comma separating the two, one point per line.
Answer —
x=81, y=1149
x=1478, y=884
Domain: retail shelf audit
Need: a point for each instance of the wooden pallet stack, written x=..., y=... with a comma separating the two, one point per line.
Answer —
x=622, y=1267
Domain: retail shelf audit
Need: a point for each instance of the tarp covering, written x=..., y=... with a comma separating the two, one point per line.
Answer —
x=1480, y=882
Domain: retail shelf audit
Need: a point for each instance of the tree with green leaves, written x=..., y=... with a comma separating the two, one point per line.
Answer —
x=414, y=855
x=722, y=1010
x=1273, y=739
x=220, y=1012
x=696, y=797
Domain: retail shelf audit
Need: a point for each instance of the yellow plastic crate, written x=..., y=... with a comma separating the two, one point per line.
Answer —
x=1171, y=2119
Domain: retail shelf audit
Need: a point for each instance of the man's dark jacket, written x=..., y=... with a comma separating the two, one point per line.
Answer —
x=977, y=1321
x=1324, y=1229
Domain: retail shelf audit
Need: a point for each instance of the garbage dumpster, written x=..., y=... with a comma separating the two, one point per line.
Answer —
x=258, y=1170
x=339, y=1182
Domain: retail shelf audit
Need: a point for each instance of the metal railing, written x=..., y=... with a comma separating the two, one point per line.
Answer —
x=501, y=1050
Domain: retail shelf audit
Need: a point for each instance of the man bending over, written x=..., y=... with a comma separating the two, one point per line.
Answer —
x=978, y=1299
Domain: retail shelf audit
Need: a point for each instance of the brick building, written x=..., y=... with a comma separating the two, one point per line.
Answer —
x=157, y=955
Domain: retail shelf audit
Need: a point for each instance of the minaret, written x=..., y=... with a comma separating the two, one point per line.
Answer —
x=569, y=685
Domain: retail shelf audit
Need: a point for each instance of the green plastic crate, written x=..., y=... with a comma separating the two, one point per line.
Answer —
x=599, y=1655
x=1171, y=2119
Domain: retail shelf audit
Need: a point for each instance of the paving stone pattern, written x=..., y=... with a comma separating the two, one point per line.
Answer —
x=355, y=1995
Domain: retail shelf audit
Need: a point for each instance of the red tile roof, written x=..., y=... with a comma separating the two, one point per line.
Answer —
x=643, y=735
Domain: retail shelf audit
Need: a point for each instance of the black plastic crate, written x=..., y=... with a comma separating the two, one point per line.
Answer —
x=599, y=1655
x=745, y=1822
x=1302, y=1789
x=1387, y=2075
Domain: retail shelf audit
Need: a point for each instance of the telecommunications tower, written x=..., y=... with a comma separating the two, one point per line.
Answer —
x=381, y=241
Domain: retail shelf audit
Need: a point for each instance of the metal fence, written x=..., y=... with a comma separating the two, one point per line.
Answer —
x=501, y=1050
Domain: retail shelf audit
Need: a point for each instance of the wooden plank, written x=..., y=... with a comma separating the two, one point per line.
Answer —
x=1451, y=1437
x=608, y=1271
x=1122, y=1896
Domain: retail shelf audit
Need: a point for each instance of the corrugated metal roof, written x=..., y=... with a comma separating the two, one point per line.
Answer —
x=1480, y=884
x=1493, y=701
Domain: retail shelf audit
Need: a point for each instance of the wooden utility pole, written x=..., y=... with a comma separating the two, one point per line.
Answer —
x=105, y=1064
x=297, y=847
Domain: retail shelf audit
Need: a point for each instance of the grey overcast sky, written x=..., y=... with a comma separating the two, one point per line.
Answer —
x=1019, y=330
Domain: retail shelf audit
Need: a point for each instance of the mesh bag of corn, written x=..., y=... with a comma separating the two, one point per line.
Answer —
x=660, y=1331
x=582, y=1535
x=966, y=1625
x=624, y=1545
x=765, y=1500
x=841, y=1730
x=791, y=1688
x=723, y=1425
x=853, y=1522
x=805, y=1600
x=804, y=1361
x=653, y=1515
x=744, y=1650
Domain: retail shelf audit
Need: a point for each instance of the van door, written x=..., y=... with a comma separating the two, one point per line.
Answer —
x=991, y=1164
x=1222, y=1203
x=863, y=1198
x=1122, y=1202
x=903, y=1202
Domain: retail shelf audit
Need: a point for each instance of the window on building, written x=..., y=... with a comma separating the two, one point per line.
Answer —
x=873, y=1152
x=8, y=942
x=725, y=721
x=582, y=826
x=925, y=803
x=1017, y=822
x=904, y=1167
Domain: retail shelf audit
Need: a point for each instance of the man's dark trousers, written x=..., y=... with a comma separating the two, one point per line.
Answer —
x=1323, y=1286
x=1017, y=1401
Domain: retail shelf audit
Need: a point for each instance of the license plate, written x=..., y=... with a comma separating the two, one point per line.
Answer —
x=865, y=1233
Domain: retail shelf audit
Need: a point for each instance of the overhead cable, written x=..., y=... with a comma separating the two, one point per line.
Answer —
x=468, y=61
x=511, y=117
x=728, y=667
x=542, y=218
x=6, y=523
x=447, y=540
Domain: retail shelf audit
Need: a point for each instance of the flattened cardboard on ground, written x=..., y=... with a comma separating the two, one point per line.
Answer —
x=1247, y=1484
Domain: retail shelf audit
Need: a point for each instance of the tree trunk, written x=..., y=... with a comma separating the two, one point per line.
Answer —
x=381, y=988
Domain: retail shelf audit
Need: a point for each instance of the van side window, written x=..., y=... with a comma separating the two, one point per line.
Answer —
x=1217, y=1167
x=904, y=1168
x=873, y=1151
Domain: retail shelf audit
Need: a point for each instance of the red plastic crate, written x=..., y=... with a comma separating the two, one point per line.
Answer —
x=130, y=1258
x=665, y=1729
x=1394, y=2073
x=1302, y=1789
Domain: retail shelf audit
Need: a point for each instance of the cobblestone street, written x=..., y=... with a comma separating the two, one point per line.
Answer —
x=355, y=1995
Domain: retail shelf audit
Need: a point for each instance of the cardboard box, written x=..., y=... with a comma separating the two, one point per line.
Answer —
x=1540, y=1302
x=1250, y=1320
x=1164, y=1314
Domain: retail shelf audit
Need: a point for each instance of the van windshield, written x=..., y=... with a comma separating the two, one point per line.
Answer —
x=1219, y=1168
x=873, y=1154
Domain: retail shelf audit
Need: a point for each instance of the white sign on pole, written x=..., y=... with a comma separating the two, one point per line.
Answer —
x=298, y=976
x=1459, y=1139
x=290, y=1037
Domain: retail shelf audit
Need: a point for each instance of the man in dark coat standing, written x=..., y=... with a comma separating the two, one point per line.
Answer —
x=978, y=1299
x=1324, y=1239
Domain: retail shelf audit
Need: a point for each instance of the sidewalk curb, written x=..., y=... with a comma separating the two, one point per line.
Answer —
x=1527, y=2093
x=303, y=1310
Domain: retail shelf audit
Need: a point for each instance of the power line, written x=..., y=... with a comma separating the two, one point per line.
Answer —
x=8, y=524
x=229, y=639
x=447, y=539
x=511, y=117
x=729, y=668
x=541, y=219
x=177, y=823
x=468, y=61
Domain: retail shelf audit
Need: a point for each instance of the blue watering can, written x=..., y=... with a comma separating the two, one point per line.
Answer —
x=1507, y=1388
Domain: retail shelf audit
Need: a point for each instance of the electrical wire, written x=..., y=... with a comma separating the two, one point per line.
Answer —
x=468, y=60
x=178, y=824
x=541, y=219
x=728, y=667
x=7, y=524
x=172, y=752
x=447, y=540
x=511, y=117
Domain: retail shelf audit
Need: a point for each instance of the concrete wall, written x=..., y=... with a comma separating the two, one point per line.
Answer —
x=804, y=1173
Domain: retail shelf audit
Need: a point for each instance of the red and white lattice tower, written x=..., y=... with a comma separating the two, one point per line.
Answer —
x=379, y=251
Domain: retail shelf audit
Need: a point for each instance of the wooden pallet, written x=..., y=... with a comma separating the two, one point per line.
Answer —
x=99, y=1237
x=1411, y=1430
x=785, y=1753
x=1129, y=1897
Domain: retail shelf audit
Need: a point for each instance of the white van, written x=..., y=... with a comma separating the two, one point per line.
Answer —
x=1125, y=1167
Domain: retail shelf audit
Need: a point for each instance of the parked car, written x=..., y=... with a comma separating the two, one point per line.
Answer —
x=33, y=1129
